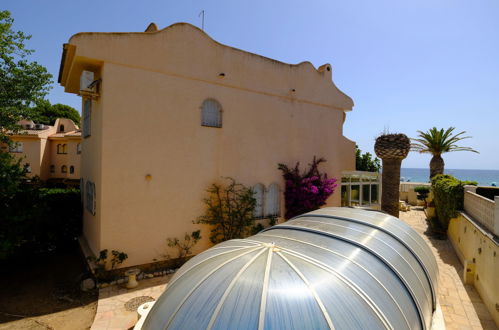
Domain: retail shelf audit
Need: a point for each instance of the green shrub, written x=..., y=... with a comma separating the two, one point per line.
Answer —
x=37, y=220
x=422, y=193
x=448, y=195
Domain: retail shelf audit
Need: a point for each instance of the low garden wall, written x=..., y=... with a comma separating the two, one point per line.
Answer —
x=478, y=251
x=408, y=194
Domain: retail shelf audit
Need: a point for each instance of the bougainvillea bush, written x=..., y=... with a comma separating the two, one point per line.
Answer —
x=306, y=191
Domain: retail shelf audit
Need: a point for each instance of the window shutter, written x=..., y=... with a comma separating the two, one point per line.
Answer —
x=87, y=113
x=272, y=201
x=211, y=114
x=82, y=190
x=94, y=199
x=258, y=190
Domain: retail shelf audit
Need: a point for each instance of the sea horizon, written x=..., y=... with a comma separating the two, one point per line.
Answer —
x=482, y=177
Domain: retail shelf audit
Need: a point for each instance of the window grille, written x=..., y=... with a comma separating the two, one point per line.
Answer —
x=90, y=204
x=87, y=114
x=272, y=201
x=211, y=114
x=258, y=192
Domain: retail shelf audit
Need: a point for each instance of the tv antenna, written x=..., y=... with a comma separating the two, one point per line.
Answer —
x=202, y=19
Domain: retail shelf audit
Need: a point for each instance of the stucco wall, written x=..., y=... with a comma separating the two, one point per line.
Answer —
x=31, y=154
x=472, y=244
x=147, y=121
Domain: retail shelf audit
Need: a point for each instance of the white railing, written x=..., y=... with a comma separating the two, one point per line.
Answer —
x=483, y=210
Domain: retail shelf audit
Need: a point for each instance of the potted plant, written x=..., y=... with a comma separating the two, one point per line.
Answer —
x=422, y=194
x=430, y=210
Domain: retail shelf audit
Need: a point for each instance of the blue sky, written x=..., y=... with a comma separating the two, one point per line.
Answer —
x=408, y=65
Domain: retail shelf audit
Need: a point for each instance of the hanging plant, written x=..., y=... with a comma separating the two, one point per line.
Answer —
x=307, y=191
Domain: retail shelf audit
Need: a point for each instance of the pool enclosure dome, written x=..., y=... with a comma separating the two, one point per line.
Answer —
x=334, y=268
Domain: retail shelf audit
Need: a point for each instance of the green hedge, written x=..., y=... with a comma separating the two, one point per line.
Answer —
x=488, y=192
x=448, y=195
x=37, y=220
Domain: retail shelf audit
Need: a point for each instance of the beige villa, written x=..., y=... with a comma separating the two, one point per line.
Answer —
x=168, y=112
x=50, y=152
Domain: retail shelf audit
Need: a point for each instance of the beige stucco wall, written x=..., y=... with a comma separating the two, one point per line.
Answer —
x=71, y=158
x=472, y=244
x=147, y=121
x=32, y=153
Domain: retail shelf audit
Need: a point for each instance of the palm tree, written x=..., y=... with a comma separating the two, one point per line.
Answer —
x=437, y=142
x=391, y=148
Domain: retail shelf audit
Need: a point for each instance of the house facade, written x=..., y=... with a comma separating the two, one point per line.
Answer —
x=48, y=152
x=168, y=112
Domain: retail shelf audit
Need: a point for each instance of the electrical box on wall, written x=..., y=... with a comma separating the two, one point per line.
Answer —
x=86, y=80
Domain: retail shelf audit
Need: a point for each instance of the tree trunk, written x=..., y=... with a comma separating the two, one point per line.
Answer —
x=436, y=165
x=390, y=186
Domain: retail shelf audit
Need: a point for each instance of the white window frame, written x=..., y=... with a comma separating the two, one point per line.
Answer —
x=211, y=113
x=369, y=179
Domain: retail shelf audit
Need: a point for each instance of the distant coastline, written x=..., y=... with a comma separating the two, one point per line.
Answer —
x=483, y=177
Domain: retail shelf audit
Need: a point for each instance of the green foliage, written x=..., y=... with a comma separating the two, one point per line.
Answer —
x=118, y=258
x=229, y=210
x=422, y=193
x=12, y=175
x=448, y=197
x=488, y=192
x=46, y=113
x=365, y=162
x=100, y=262
x=35, y=220
x=438, y=141
x=184, y=248
x=22, y=83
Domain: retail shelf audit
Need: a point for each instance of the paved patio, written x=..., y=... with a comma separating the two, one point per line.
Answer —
x=461, y=305
x=111, y=312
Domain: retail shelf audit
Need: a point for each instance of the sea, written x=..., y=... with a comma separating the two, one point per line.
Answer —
x=483, y=177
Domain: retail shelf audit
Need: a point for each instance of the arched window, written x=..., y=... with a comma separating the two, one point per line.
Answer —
x=258, y=191
x=272, y=201
x=52, y=169
x=59, y=149
x=211, y=113
x=64, y=148
x=64, y=169
x=61, y=128
x=71, y=169
x=78, y=148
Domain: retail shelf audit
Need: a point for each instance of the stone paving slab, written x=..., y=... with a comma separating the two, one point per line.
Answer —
x=111, y=312
x=461, y=304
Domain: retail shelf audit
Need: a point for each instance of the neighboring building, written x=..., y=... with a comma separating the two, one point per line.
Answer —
x=49, y=152
x=167, y=113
